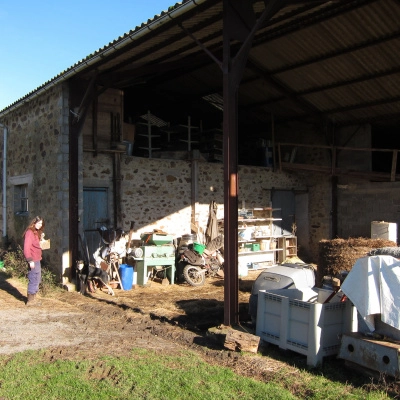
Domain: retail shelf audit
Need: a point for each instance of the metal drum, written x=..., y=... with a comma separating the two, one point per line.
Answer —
x=184, y=242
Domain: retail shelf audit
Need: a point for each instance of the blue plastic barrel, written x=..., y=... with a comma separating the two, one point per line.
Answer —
x=126, y=274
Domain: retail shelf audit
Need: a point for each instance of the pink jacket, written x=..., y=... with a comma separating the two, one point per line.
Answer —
x=32, y=250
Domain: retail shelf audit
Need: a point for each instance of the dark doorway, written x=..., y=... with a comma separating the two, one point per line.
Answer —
x=283, y=204
x=95, y=214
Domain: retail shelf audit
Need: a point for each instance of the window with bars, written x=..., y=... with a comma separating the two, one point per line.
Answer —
x=21, y=199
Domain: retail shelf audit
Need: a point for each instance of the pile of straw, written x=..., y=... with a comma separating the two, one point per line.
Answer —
x=341, y=254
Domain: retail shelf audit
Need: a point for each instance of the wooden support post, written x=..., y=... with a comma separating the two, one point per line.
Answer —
x=394, y=166
x=195, y=185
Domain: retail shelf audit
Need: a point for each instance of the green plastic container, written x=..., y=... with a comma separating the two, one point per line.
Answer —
x=255, y=247
x=1, y=264
x=199, y=247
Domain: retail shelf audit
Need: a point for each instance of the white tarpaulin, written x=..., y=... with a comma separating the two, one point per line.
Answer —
x=373, y=286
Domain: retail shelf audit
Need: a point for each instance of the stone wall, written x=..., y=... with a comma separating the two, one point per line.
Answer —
x=320, y=211
x=37, y=154
x=156, y=193
x=360, y=203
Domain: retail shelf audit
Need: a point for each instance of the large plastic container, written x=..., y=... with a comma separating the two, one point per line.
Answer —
x=126, y=274
x=312, y=329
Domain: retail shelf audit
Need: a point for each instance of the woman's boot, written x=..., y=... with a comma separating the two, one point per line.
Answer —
x=31, y=300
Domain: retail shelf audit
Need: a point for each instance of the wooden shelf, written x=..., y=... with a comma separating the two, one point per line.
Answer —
x=260, y=219
x=289, y=245
x=260, y=222
x=266, y=237
x=148, y=136
x=258, y=251
x=148, y=149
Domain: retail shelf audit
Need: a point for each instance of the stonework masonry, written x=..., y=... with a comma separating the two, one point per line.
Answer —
x=156, y=193
x=38, y=155
x=361, y=203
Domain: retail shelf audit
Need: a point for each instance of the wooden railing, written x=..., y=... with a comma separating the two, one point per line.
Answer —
x=290, y=150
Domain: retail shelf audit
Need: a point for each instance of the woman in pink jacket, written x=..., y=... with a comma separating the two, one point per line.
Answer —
x=33, y=254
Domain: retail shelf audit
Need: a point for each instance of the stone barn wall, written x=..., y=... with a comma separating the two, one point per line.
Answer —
x=156, y=193
x=37, y=154
x=360, y=203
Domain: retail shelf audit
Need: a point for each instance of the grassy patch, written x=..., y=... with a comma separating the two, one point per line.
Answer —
x=145, y=374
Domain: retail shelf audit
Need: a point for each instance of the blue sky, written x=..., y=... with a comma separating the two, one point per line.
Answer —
x=40, y=39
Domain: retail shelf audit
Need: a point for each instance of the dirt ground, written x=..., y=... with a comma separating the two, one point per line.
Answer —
x=170, y=318
x=167, y=318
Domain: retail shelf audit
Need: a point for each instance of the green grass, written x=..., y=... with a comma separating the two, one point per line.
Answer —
x=145, y=374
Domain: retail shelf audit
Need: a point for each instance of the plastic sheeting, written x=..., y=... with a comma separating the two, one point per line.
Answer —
x=212, y=226
x=373, y=286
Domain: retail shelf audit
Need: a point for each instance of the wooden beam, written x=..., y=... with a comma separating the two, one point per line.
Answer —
x=394, y=166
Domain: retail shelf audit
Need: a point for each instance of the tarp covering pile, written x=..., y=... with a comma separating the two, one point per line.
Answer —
x=373, y=286
x=341, y=254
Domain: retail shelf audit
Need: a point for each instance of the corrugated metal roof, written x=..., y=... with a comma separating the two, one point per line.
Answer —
x=329, y=59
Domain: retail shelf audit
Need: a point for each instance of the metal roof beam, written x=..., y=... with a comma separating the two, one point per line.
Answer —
x=160, y=29
x=293, y=25
x=166, y=71
x=347, y=50
x=174, y=39
x=385, y=118
x=309, y=108
x=363, y=78
x=359, y=106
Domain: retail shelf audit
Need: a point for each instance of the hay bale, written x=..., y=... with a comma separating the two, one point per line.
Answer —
x=341, y=254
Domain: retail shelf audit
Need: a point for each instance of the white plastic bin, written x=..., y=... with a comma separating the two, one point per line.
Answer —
x=312, y=329
x=243, y=269
x=384, y=230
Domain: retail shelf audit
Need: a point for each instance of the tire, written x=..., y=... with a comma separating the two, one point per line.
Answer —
x=194, y=276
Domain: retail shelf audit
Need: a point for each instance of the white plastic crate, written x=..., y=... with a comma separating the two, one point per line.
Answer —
x=312, y=329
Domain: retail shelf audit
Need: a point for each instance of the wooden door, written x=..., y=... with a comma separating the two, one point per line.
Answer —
x=294, y=210
x=285, y=201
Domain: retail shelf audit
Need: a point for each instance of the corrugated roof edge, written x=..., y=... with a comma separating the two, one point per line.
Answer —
x=121, y=41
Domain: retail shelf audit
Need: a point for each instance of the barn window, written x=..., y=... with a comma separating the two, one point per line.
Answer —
x=21, y=199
